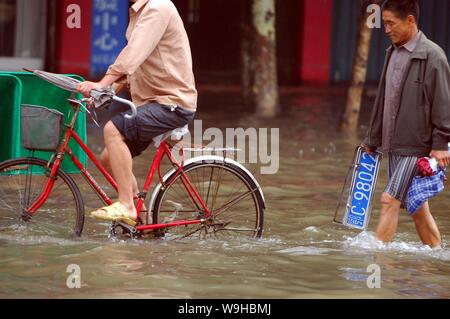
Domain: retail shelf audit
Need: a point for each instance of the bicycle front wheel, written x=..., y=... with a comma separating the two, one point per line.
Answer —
x=22, y=181
x=230, y=194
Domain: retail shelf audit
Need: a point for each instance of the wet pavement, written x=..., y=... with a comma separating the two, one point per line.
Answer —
x=302, y=253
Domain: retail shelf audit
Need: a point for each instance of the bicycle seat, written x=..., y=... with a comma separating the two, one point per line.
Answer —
x=176, y=134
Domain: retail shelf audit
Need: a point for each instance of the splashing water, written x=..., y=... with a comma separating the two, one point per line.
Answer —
x=367, y=241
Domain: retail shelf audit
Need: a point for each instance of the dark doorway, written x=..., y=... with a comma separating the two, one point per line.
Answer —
x=215, y=34
x=7, y=27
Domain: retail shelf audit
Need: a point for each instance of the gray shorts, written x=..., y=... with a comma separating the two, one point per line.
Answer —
x=402, y=170
x=152, y=119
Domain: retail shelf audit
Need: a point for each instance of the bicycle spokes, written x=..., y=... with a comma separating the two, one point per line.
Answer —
x=233, y=202
x=21, y=184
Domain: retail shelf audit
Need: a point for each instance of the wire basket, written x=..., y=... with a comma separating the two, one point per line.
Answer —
x=40, y=128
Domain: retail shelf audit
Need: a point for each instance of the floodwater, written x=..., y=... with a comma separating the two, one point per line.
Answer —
x=302, y=253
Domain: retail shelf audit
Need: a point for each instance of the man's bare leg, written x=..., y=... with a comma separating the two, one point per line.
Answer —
x=105, y=159
x=426, y=227
x=387, y=226
x=121, y=166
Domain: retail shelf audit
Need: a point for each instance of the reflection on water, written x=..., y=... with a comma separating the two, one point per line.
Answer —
x=302, y=255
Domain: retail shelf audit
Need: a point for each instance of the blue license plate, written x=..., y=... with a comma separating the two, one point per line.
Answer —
x=365, y=173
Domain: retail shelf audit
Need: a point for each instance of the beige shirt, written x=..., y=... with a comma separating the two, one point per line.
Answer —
x=157, y=59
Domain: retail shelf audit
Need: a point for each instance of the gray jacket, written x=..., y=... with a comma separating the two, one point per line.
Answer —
x=422, y=118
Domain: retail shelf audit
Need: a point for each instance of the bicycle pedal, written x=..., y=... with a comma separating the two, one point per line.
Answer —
x=131, y=229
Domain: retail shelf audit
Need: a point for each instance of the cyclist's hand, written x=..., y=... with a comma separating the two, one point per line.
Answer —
x=85, y=88
x=90, y=103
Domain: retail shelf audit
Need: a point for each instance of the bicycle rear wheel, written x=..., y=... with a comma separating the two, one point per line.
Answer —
x=231, y=195
x=21, y=183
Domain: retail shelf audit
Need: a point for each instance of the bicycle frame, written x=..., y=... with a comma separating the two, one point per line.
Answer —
x=163, y=150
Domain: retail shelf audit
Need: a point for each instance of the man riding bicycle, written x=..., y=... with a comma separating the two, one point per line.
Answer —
x=156, y=65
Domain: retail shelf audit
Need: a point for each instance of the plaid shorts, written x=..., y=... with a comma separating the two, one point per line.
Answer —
x=402, y=170
x=424, y=188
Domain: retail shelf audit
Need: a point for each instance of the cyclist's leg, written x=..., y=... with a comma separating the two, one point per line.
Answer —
x=121, y=166
x=105, y=160
x=152, y=120
x=127, y=138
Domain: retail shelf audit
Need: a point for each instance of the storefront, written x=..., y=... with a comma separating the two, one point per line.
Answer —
x=85, y=36
x=315, y=38
x=67, y=36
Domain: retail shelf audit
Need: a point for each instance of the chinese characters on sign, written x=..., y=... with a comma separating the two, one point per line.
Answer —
x=110, y=19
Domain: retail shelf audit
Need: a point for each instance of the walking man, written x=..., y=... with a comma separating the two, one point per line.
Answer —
x=411, y=115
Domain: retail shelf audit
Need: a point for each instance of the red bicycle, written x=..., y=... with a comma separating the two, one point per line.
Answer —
x=206, y=196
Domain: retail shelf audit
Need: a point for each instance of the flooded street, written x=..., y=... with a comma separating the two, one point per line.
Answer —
x=302, y=253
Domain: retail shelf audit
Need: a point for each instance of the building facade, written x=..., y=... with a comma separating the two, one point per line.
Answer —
x=315, y=38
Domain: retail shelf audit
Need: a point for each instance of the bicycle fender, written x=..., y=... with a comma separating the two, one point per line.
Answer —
x=201, y=159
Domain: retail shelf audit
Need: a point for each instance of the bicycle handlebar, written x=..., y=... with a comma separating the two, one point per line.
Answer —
x=70, y=84
x=130, y=104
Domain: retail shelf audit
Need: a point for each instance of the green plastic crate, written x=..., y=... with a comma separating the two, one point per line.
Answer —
x=10, y=101
x=34, y=91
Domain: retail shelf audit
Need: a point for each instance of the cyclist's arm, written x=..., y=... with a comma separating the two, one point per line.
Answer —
x=118, y=87
x=108, y=80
